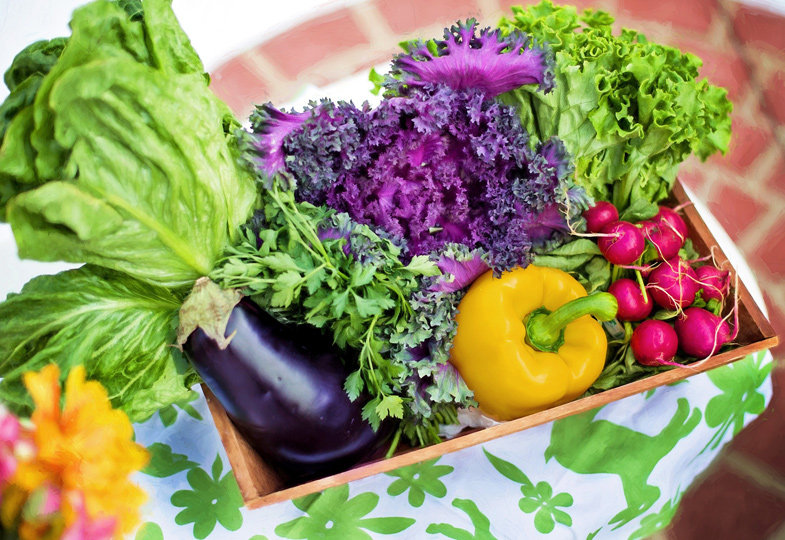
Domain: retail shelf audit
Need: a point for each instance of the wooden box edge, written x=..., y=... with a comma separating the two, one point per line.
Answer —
x=260, y=486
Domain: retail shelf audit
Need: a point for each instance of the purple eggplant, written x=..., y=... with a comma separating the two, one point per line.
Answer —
x=282, y=386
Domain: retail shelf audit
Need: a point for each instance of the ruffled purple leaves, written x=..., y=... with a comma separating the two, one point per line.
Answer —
x=330, y=144
x=459, y=267
x=439, y=161
x=271, y=127
x=488, y=62
x=437, y=167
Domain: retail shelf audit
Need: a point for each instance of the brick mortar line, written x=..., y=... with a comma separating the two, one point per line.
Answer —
x=764, y=278
x=770, y=54
x=776, y=294
x=762, y=193
x=372, y=23
x=720, y=29
x=490, y=9
x=721, y=177
x=749, y=107
x=778, y=534
x=756, y=85
x=760, y=473
x=768, y=60
x=264, y=68
x=773, y=287
x=761, y=169
x=346, y=63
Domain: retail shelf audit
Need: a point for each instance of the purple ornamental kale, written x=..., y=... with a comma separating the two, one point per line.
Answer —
x=332, y=143
x=489, y=62
x=439, y=166
x=271, y=127
x=443, y=164
x=460, y=267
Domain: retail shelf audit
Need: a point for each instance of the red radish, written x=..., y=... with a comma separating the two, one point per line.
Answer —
x=632, y=305
x=600, y=215
x=714, y=283
x=654, y=343
x=670, y=219
x=665, y=239
x=623, y=244
x=673, y=284
x=701, y=333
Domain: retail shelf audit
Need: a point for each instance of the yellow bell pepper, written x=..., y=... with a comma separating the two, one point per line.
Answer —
x=526, y=341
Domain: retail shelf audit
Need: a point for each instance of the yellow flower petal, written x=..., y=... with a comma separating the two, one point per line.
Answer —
x=44, y=387
x=85, y=449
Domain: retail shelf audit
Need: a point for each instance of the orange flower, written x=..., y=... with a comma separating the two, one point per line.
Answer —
x=85, y=449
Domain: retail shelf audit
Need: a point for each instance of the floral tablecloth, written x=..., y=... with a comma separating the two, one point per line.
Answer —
x=614, y=472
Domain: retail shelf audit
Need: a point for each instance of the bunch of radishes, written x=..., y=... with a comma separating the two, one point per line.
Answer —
x=671, y=282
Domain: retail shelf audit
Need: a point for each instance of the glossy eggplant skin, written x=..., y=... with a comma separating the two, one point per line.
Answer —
x=282, y=386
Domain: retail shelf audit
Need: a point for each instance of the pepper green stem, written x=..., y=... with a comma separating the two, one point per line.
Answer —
x=545, y=330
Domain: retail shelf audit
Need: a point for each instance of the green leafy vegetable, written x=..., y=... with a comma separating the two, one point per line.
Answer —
x=628, y=110
x=125, y=159
x=24, y=77
x=122, y=158
x=119, y=328
x=583, y=260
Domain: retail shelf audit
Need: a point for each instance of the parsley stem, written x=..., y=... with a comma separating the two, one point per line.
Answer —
x=394, y=443
x=297, y=224
x=367, y=346
x=312, y=272
x=303, y=227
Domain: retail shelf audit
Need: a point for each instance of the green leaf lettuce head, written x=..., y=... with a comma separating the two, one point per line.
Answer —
x=118, y=327
x=125, y=159
x=24, y=77
x=628, y=110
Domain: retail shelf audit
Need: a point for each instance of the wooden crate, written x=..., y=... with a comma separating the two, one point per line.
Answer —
x=260, y=485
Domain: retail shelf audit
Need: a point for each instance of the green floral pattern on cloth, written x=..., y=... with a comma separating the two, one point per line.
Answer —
x=213, y=498
x=331, y=515
x=729, y=409
x=537, y=499
x=656, y=522
x=164, y=462
x=419, y=479
x=635, y=454
x=614, y=472
x=481, y=523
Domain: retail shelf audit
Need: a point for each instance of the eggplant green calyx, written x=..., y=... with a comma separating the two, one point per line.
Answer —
x=208, y=307
x=545, y=329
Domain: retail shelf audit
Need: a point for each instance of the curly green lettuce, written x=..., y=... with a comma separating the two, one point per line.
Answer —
x=628, y=110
